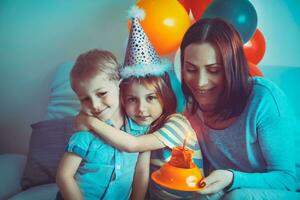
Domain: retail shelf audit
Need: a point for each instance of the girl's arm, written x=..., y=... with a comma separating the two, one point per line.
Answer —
x=117, y=138
x=141, y=177
x=65, y=177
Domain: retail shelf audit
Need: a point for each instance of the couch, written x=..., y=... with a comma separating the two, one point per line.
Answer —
x=32, y=176
x=35, y=172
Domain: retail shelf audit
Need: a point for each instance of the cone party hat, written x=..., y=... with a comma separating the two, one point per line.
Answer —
x=141, y=58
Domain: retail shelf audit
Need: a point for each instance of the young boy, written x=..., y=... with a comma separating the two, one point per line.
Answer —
x=90, y=168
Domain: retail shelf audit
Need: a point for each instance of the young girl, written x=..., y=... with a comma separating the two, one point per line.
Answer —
x=148, y=99
x=91, y=169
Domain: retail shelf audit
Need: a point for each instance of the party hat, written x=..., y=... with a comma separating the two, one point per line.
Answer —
x=141, y=58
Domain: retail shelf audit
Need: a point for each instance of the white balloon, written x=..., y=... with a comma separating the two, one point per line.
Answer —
x=177, y=67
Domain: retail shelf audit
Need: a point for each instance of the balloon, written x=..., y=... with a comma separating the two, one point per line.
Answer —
x=240, y=13
x=254, y=70
x=255, y=48
x=186, y=4
x=198, y=7
x=165, y=24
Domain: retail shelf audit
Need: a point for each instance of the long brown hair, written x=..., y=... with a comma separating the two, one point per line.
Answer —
x=163, y=90
x=227, y=42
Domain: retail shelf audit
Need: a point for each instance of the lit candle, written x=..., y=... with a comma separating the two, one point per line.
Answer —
x=184, y=143
x=186, y=139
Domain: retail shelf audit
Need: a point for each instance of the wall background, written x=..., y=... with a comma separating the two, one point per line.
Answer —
x=36, y=36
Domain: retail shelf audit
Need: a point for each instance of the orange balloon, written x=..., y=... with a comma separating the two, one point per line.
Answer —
x=254, y=70
x=165, y=23
x=255, y=48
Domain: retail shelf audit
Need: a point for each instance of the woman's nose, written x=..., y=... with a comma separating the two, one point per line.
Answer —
x=202, y=79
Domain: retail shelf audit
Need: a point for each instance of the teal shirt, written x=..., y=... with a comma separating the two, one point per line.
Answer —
x=259, y=147
x=105, y=172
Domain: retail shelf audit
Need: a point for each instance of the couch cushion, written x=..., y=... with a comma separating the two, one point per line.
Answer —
x=43, y=192
x=47, y=144
x=11, y=170
x=287, y=79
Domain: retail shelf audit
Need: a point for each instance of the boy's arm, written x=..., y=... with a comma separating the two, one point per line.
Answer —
x=120, y=139
x=65, y=177
x=141, y=177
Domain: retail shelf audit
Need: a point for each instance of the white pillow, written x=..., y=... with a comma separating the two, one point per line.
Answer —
x=63, y=101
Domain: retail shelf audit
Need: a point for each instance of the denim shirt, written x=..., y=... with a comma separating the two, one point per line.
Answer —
x=105, y=172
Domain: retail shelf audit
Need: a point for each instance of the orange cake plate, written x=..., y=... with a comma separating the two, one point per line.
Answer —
x=178, y=178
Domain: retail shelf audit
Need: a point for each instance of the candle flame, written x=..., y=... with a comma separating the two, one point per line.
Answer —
x=188, y=135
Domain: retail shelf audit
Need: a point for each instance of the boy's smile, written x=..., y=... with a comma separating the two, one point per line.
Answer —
x=99, y=96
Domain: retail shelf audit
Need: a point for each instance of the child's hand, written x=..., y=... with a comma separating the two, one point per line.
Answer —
x=216, y=181
x=82, y=122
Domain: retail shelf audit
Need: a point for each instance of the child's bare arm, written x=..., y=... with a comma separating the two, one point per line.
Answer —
x=141, y=177
x=120, y=139
x=65, y=177
x=81, y=123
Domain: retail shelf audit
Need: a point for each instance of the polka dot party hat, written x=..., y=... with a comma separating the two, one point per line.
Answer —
x=141, y=58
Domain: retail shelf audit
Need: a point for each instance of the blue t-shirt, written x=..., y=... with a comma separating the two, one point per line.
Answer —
x=105, y=172
x=259, y=147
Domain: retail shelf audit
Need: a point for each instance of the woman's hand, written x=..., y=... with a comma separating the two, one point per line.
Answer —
x=216, y=181
x=82, y=122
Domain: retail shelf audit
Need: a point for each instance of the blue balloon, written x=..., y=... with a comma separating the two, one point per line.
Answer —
x=240, y=13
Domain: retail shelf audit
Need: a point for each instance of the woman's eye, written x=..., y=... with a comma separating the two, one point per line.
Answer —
x=214, y=70
x=191, y=70
x=101, y=94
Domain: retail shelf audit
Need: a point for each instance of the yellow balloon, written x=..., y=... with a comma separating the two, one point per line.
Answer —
x=165, y=23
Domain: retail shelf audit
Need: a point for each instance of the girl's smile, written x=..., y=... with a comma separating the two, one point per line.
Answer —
x=141, y=104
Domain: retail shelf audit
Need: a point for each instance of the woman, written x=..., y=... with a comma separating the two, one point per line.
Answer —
x=244, y=125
